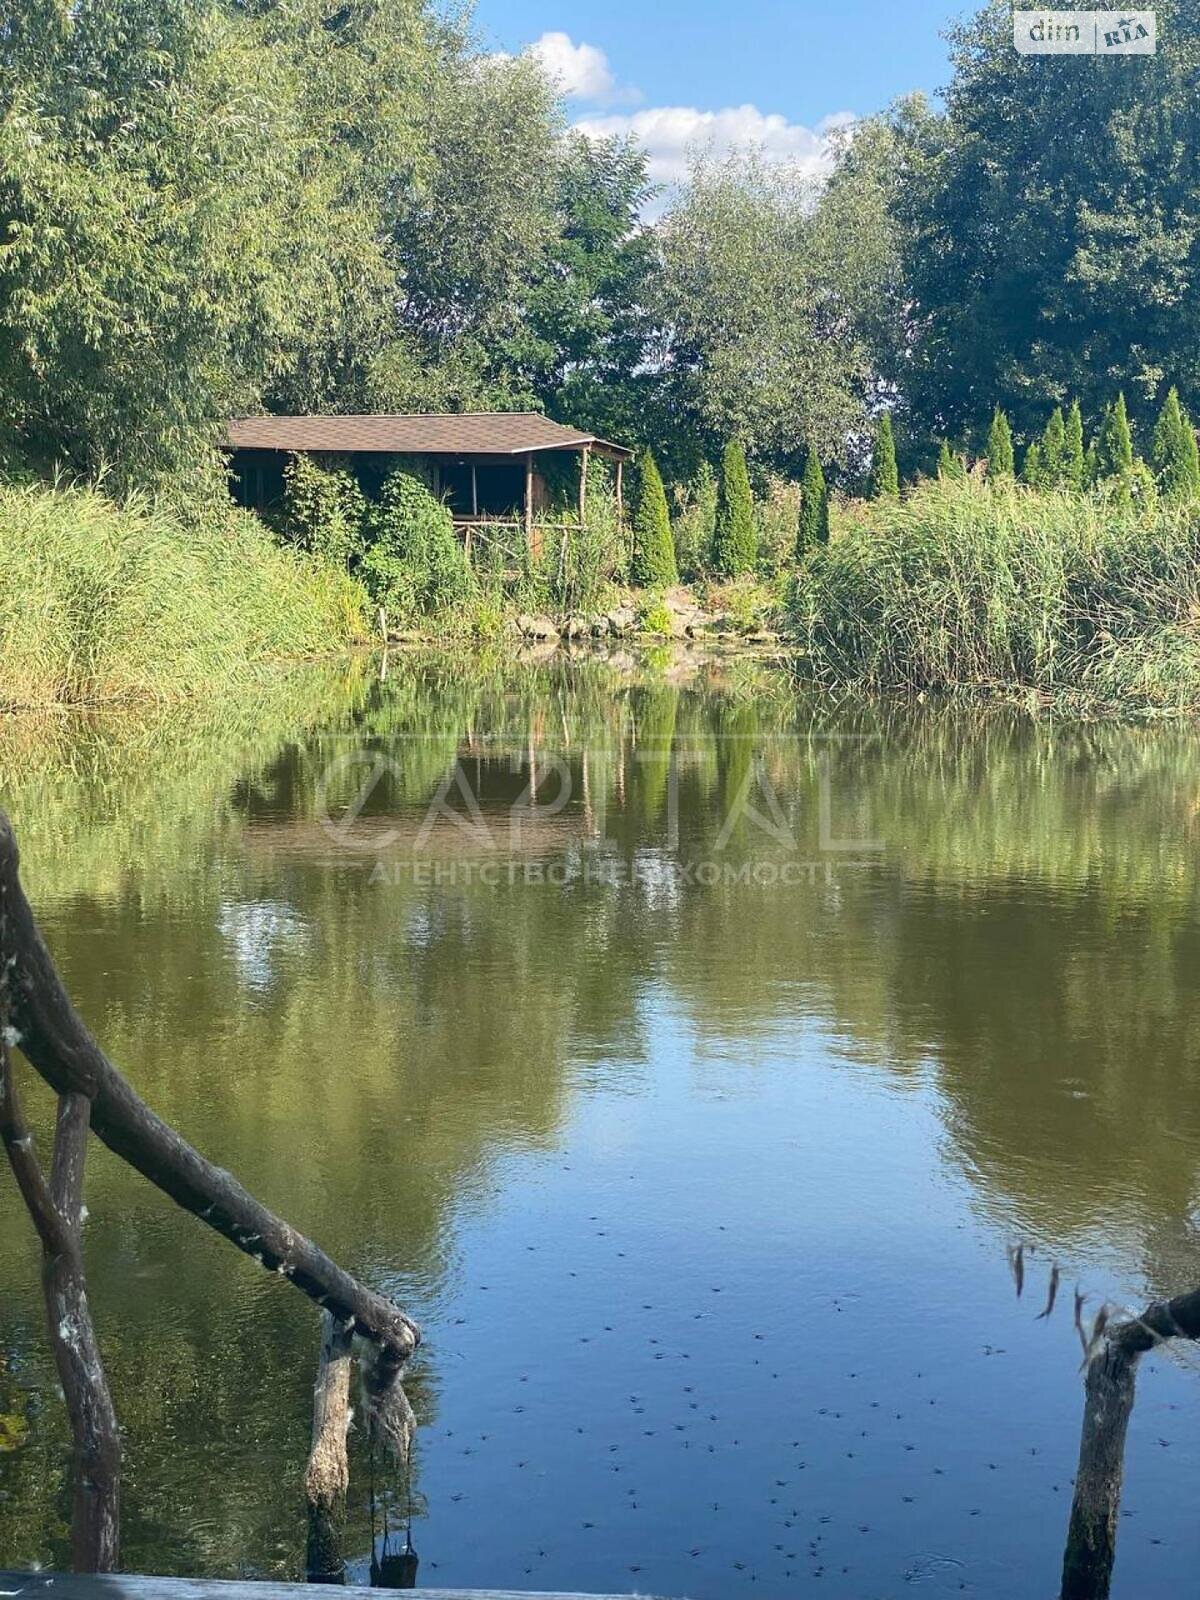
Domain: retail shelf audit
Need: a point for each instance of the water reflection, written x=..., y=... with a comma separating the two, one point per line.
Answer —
x=691, y=1123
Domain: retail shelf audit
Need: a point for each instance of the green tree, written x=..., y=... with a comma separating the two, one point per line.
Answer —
x=735, y=544
x=1074, y=464
x=999, y=448
x=951, y=468
x=761, y=303
x=1033, y=470
x=993, y=268
x=1173, y=452
x=814, y=508
x=1114, y=445
x=885, y=476
x=1053, y=449
x=653, y=562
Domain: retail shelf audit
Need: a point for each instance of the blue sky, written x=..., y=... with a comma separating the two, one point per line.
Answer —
x=678, y=72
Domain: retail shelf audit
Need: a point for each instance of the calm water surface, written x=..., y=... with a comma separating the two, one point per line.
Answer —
x=684, y=1056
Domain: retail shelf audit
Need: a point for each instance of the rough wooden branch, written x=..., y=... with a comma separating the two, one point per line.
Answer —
x=62, y=1050
x=22, y=1158
x=1109, y=1391
x=327, y=1475
x=56, y=1209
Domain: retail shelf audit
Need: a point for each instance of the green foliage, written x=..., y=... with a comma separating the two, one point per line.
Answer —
x=813, y=529
x=1049, y=591
x=586, y=563
x=103, y=602
x=1114, y=444
x=324, y=510
x=951, y=467
x=777, y=507
x=1033, y=470
x=654, y=617
x=1173, y=452
x=765, y=295
x=414, y=564
x=653, y=561
x=1074, y=464
x=1052, y=452
x=735, y=545
x=885, y=475
x=1029, y=277
x=696, y=521
x=999, y=448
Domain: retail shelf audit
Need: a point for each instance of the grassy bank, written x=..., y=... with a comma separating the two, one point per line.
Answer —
x=105, y=603
x=964, y=588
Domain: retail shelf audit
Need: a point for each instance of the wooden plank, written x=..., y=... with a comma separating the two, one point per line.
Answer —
x=118, y=1586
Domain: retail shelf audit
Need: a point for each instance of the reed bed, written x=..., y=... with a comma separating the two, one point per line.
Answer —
x=962, y=587
x=103, y=603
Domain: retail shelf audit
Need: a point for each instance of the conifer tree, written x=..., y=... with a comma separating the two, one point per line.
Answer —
x=885, y=475
x=1114, y=448
x=735, y=540
x=1074, y=466
x=945, y=462
x=1053, y=450
x=1173, y=452
x=814, y=508
x=653, y=564
x=999, y=447
x=1033, y=469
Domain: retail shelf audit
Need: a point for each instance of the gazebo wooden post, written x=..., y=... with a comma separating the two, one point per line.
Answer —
x=529, y=498
x=583, y=471
x=620, y=493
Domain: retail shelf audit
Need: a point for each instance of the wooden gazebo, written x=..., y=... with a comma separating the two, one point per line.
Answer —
x=485, y=465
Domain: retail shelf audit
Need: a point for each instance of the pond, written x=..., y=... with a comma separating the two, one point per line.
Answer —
x=688, y=1057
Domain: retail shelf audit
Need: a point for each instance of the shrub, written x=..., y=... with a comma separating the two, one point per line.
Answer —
x=696, y=521
x=413, y=563
x=885, y=475
x=1173, y=453
x=734, y=543
x=777, y=516
x=323, y=509
x=813, y=528
x=999, y=447
x=653, y=560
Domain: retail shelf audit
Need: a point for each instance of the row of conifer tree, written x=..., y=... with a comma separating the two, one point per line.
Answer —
x=1057, y=459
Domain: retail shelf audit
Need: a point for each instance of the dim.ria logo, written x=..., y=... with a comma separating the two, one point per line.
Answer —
x=1085, y=33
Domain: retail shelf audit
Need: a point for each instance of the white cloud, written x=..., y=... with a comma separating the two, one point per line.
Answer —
x=581, y=71
x=670, y=134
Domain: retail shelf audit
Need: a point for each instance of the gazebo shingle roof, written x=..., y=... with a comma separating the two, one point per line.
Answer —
x=469, y=433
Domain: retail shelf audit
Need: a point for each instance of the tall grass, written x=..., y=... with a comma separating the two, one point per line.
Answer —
x=963, y=587
x=101, y=602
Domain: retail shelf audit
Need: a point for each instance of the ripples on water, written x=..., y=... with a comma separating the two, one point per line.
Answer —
x=694, y=1142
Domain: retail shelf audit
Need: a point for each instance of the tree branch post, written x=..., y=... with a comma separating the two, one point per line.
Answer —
x=1109, y=1391
x=37, y=1015
x=327, y=1475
